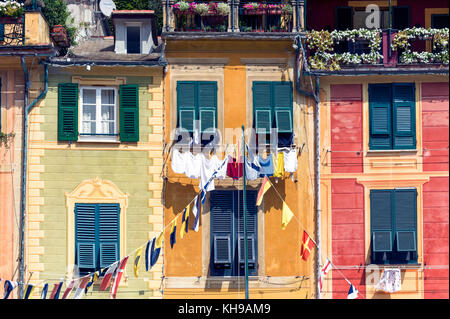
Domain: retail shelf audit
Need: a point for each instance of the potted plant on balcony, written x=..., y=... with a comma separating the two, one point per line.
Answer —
x=273, y=9
x=10, y=12
x=286, y=9
x=223, y=9
x=250, y=8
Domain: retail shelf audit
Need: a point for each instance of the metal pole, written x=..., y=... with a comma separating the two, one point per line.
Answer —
x=245, y=214
x=317, y=186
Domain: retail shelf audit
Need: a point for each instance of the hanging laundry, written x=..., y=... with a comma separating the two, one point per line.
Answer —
x=251, y=171
x=290, y=161
x=266, y=166
x=179, y=161
x=222, y=171
x=208, y=168
x=193, y=165
x=390, y=281
x=234, y=169
x=278, y=165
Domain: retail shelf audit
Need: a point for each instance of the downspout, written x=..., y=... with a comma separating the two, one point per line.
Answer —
x=232, y=15
x=26, y=112
x=167, y=16
x=299, y=46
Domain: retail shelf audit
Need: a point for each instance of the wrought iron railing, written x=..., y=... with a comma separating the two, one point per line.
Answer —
x=273, y=16
x=201, y=16
x=12, y=31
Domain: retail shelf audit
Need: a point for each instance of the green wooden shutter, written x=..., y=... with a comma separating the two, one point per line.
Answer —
x=221, y=228
x=282, y=104
x=381, y=220
x=186, y=105
x=85, y=236
x=262, y=107
x=404, y=116
x=252, y=229
x=207, y=105
x=406, y=219
x=108, y=233
x=380, y=114
x=129, y=113
x=67, y=111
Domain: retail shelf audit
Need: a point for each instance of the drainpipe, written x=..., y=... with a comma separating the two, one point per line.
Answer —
x=167, y=16
x=299, y=46
x=232, y=15
x=26, y=112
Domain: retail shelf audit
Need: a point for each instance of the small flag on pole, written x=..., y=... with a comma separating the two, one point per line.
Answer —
x=352, y=292
x=56, y=290
x=185, y=221
x=323, y=272
x=118, y=277
x=107, y=278
x=29, y=291
x=44, y=291
x=173, y=232
x=286, y=216
x=8, y=287
x=307, y=245
x=196, y=213
x=83, y=282
x=264, y=188
x=137, y=261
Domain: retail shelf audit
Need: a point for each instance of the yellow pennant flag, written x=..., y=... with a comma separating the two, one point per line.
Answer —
x=137, y=261
x=264, y=188
x=286, y=216
x=185, y=221
x=158, y=242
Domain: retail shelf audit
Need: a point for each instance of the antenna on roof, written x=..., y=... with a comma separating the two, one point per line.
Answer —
x=107, y=7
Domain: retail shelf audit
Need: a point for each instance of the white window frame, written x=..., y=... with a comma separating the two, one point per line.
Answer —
x=98, y=106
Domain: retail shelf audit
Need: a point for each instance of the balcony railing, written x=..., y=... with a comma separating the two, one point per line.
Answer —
x=334, y=50
x=12, y=30
x=265, y=17
x=201, y=16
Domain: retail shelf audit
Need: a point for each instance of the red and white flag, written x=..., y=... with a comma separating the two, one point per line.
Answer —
x=81, y=287
x=323, y=272
x=118, y=277
x=69, y=288
x=107, y=278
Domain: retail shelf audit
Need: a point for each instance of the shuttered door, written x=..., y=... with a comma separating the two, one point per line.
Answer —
x=381, y=220
x=67, y=111
x=85, y=236
x=129, y=113
x=108, y=233
x=404, y=116
x=380, y=113
x=222, y=252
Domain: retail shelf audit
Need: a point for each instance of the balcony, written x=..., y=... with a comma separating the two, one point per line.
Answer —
x=12, y=30
x=227, y=16
x=372, y=49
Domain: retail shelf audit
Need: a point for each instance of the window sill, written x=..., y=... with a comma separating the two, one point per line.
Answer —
x=98, y=139
x=390, y=152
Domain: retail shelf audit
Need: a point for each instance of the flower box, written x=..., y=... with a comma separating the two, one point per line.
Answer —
x=59, y=35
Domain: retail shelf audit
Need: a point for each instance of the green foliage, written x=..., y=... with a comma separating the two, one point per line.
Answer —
x=56, y=13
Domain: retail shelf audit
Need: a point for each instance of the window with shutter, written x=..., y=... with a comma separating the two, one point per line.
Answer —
x=96, y=235
x=227, y=233
x=67, y=111
x=129, y=113
x=392, y=116
x=393, y=226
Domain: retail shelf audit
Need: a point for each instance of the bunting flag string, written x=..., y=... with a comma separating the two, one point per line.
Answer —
x=81, y=287
x=9, y=287
x=185, y=221
x=44, y=291
x=118, y=277
x=108, y=276
x=137, y=261
x=173, y=232
x=28, y=291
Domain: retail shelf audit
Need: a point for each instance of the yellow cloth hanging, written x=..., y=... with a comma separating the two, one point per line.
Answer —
x=278, y=165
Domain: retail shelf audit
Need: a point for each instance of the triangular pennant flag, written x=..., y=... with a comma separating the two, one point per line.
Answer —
x=352, y=292
x=323, y=272
x=44, y=291
x=148, y=254
x=173, y=232
x=264, y=188
x=156, y=249
x=118, y=277
x=29, y=291
x=83, y=282
x=185, y=221
x=8, y=287
x=196, y=213
x=137, y=261
x=56, y=290
x=307, y=245
x=286, y=216
x=108, y=275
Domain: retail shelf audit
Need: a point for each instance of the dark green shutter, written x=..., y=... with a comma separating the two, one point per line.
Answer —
x=207, y=105
x=252, y=231
x=282, y=103
x=186, y=105
x=2, y=32
x=406, y=219
x=381, y=220
x=108, y=233
x=404, y=116
x=221, y=227
x=68, y=112
x=262, y=106
x=85, y=235
x=380, y=114
x=129, y=113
